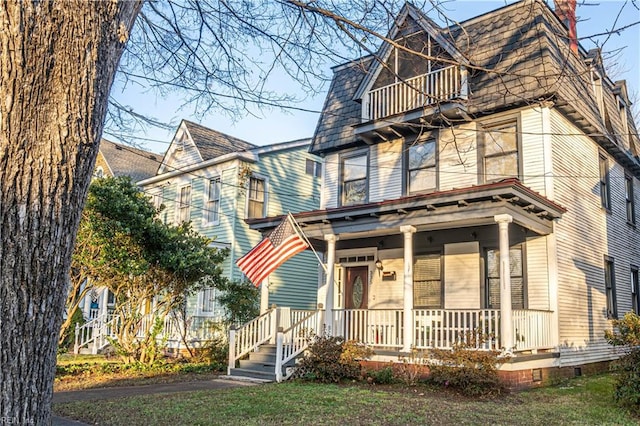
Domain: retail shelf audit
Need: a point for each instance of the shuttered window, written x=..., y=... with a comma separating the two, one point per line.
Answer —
x=517, y=278
x=427, y=281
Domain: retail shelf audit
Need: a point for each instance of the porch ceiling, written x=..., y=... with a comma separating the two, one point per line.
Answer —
x=456, y=208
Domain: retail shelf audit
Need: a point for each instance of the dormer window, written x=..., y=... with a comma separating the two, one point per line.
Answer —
x=624, y=129
x=597, y=91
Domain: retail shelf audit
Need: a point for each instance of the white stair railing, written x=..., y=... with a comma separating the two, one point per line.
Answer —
x=251, y=335
x=294, y=340
x=93, y=334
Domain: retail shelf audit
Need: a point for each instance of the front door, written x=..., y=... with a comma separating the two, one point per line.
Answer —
x=356, y=296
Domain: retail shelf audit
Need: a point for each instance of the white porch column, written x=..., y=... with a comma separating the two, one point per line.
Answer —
x=264, y=296
x=506, y=321
x=103, y=303
x=408, y=325
x=329, y=284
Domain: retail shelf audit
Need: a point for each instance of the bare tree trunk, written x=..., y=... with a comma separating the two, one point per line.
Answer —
x=58, y=59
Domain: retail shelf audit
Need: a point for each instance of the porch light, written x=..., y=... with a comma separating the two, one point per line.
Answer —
x=379, y=266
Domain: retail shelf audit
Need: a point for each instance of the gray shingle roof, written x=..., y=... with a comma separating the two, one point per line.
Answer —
x=125, y=160
x=525, y=48
x=212, y=143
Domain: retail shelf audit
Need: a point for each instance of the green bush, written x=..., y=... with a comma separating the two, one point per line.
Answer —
x=332, y=359
x=68, y=340
x=467, y=369
x=627, y=333
x=384, y=376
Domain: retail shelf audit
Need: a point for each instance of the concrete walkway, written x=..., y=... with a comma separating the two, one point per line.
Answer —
x=223, y=382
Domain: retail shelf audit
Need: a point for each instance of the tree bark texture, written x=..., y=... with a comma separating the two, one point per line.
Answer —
x=58, y=59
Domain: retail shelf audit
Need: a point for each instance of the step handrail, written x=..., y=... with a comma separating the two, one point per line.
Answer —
x=251, y=335
x=293, y=341
x=92, y=331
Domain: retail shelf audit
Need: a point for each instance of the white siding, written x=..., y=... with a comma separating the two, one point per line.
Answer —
x=386, y=171
x=458, y=157
x=388, y=294
x=462, y=275
x=533, y=157
x=331, y=181
x=537, y=273
x=585, y=234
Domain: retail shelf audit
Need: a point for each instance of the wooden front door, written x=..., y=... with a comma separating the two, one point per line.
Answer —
x=356, y=295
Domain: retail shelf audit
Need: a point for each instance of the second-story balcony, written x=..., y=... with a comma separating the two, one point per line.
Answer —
x=412, y=99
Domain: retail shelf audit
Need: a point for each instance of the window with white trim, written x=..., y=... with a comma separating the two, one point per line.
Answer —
x=421, y=167
x=212, y=209
x=313, y=168
x=610, y=288
x=516, y=262
x=605, y=189
x=184, y=204
x=500, y=151
x=622, y=110
x=354, y=179
x=427, y=281
x=635, y=291
x=629, y=199
x=256, y=194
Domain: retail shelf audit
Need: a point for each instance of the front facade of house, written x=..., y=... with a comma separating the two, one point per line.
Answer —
x=216, y=181
x=488, y=186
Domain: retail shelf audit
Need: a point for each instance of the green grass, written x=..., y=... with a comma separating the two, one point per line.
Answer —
x=582, y=401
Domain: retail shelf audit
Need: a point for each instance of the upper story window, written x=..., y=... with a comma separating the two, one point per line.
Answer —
x=99, y=173
x=629, y=199
x=212, y=209
x=500, y=151
x=516, y=261
x=257, y=198
x=605, y=192
x=635, y=291
x=184, y=204
x=622, y=110
x=421, y=166
x=596, y=80
x=313, y=168
x=354, y=180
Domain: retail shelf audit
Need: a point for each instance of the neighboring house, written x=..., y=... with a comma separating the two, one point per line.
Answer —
x=216, y=181
x=490, y=184
x=116, y=160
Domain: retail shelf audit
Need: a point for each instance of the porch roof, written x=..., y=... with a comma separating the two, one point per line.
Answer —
x=471, y=206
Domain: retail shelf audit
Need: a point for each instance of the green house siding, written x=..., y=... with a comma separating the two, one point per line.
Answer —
x=289, y=189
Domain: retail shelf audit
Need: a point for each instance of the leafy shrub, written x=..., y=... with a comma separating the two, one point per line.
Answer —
x=465, y=368
x=384, y=376
x=627, y=333
x=68, y=339
x=331, y=359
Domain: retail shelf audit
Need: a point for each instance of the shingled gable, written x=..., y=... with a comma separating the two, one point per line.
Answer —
x=194, y=143
x=519, y=55
x=408, y=12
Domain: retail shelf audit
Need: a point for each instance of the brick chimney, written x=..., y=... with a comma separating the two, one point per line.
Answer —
x=566, y=11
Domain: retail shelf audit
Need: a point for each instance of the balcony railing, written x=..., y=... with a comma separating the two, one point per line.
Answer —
x=442, y=328
x=416, y=92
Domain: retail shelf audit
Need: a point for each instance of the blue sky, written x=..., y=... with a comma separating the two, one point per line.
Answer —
x=271, y=126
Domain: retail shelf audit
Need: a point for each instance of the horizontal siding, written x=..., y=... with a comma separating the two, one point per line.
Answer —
x=533, y=157
x=295, y=283
x=457, y=157
x=585, y=234
x=537, y=273
x=331, y=181
x=386, y=171
x=462, y=275
x=388, y=294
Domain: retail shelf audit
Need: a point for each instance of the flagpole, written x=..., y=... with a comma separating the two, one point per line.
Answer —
x=298, y=230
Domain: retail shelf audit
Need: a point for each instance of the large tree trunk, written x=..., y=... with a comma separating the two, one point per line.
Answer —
x=58, y=61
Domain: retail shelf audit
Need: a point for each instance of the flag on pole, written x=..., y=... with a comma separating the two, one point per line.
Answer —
x=283, y=243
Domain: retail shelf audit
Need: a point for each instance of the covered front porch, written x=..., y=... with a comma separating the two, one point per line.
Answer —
x=427, y=271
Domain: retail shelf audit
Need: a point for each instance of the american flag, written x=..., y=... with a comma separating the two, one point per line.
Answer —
x=283, y=243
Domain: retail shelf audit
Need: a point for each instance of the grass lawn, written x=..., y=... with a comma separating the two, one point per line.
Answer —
x=75, y=372
x=581, y=401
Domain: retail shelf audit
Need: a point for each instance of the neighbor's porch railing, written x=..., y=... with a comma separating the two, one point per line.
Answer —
x=441, y=328
x=416, y=92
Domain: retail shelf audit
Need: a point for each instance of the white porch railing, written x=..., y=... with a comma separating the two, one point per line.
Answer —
x=291, y=342
x=441, y=328
x=416, y=92
x=251, y=335
x=93, y=334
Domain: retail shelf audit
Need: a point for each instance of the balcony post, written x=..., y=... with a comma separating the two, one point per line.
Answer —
x=506, y=320
x=408, y=325
x=464, y=83
x=325, y=295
